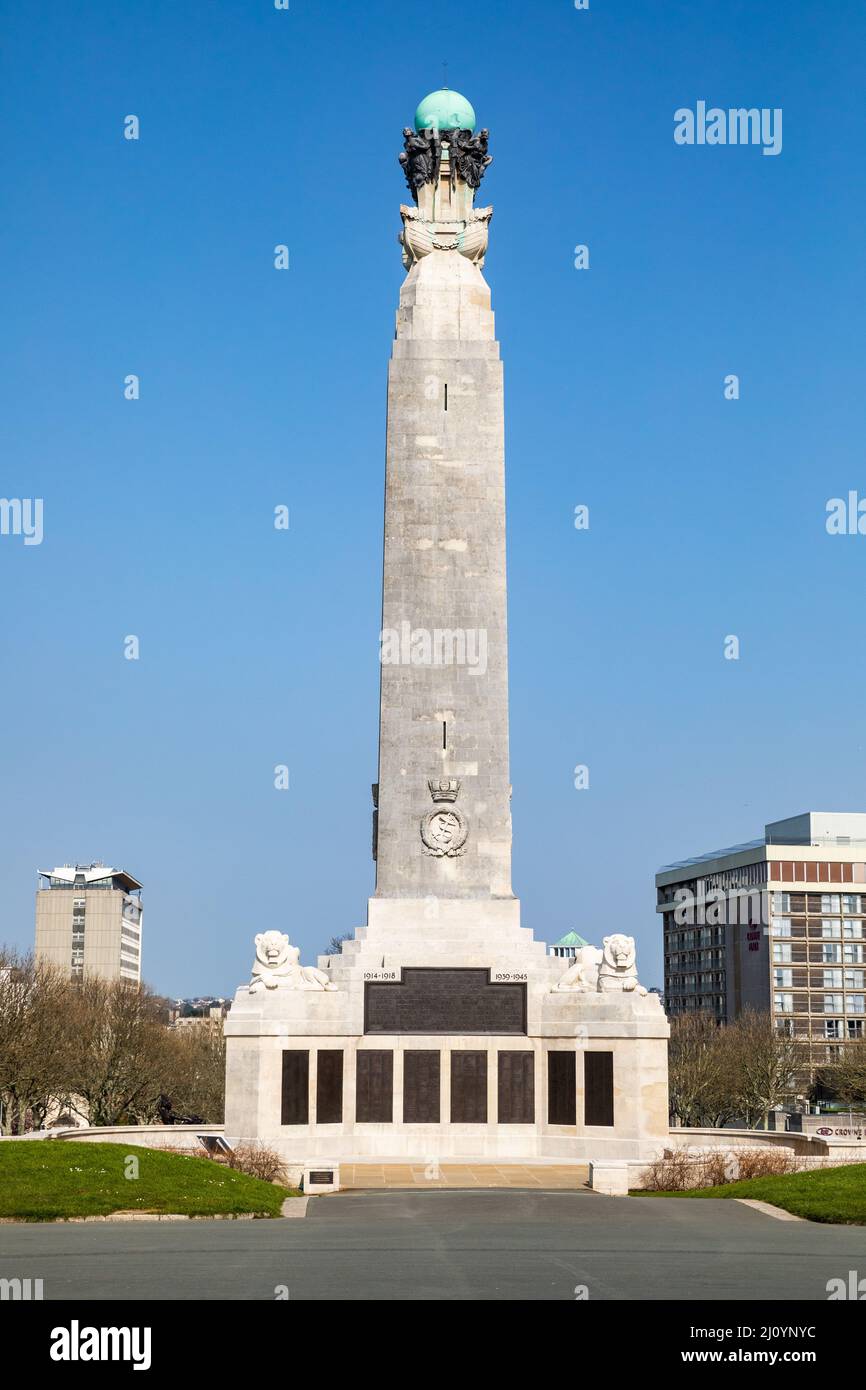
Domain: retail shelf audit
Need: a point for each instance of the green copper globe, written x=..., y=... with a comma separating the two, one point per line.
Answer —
x=445, y=110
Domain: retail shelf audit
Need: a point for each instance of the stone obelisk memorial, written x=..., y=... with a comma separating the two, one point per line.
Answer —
x=444, y=1029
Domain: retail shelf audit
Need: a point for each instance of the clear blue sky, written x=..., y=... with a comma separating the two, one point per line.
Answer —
x=261, y=387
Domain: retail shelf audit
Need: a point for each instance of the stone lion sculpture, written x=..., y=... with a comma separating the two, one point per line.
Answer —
x=618, y=969
x=278, y=966
x=582, y=974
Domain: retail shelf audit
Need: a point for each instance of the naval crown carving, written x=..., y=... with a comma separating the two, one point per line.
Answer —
x=445, y=828
x=443, y=788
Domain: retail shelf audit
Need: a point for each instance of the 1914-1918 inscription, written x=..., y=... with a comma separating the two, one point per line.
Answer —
x=444, y=1001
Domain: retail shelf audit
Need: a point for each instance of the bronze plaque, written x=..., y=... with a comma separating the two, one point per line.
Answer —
x=561, y=1087
x=421, y=1085
x=598, y=1088
x=374, y=1087
x=295, y=1109
x=444, y=1001
x=469, y=1088
x=516, y=1088
x=329, y=1086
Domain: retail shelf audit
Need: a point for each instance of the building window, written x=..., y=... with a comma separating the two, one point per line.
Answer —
x=781, y=926
x=856, y=1004
x=783, y=979
x=852, y=954
x=832, y=954
x=831, y=926
x=833, y=1004
x=781, y=952
x=851, y=902
x=855, y=1028
x=829, y=902
x=832, y=1027
x=832, y=979
x=783, y=1003
x=854, y=979
x=852, y=930
x=781, y=902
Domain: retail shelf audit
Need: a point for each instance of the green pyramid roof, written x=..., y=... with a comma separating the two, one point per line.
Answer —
x=571, y=938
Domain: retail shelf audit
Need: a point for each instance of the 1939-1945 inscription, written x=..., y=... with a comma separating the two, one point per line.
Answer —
x=444, y=1001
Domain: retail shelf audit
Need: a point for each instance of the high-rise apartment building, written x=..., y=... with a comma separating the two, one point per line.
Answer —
x=89, y=921
x=777, y=924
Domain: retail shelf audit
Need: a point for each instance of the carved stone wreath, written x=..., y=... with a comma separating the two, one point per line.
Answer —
x=444, y=831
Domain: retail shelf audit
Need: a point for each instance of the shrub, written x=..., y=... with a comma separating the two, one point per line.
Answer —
x=670, y=1173
x=679, y=1171
x=764, y=1163
x=714, y=1169
x=258, y=1161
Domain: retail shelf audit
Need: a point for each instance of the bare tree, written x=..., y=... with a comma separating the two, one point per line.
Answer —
x=846, y=1073
x=120, y=1052
x=335, y=944
x=34, y=1040
x=195, y=1070
x=741, y=1070
x=100, y=1048
x=767, y=1064
x=701, y=1071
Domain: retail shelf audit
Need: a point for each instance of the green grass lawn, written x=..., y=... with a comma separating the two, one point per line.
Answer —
x=47, y=1178
x=826, y=1194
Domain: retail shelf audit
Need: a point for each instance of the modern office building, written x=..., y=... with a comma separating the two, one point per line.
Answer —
x=777, y=924
x=89, y=921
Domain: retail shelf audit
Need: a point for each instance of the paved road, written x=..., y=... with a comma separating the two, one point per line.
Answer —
x=447, y=1245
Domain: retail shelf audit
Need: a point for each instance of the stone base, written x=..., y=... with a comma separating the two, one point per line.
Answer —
x=320, y=1177
x=480, y=935
x=610, y=1178
x=406, y=1144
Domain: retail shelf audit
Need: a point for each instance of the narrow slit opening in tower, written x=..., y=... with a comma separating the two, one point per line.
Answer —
x=444, y=734
x=446, y=395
